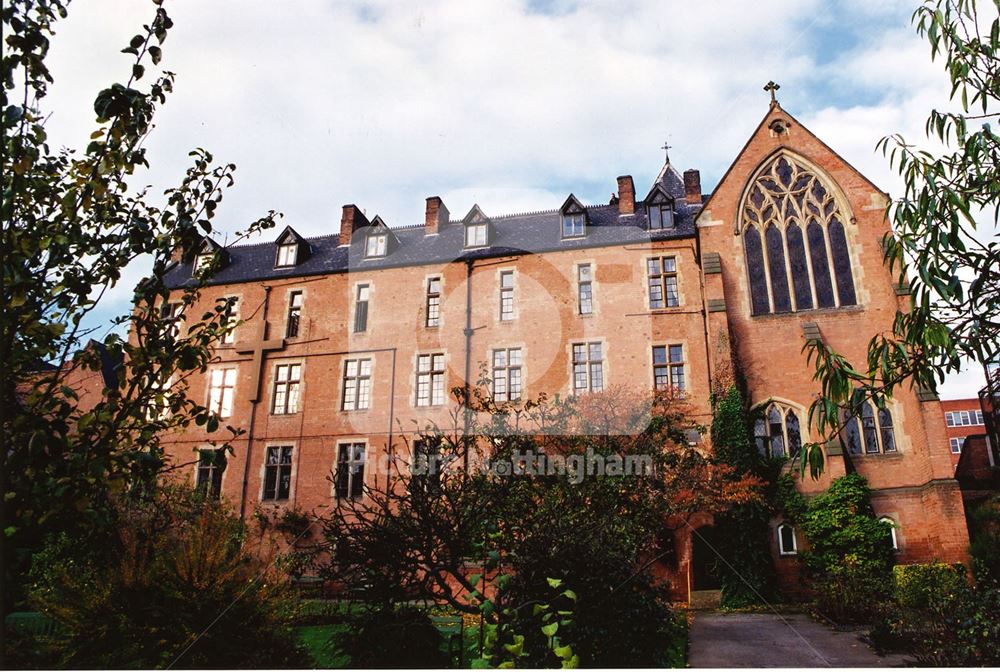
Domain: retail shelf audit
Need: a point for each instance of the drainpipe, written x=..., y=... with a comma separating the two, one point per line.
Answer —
x=467, y=413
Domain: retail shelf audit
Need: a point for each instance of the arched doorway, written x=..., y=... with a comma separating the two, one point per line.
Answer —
x=703, y=557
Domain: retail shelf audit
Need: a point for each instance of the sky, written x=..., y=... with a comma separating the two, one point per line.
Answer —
x=511, y=105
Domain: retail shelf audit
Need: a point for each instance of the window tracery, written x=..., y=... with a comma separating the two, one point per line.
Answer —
x=777, y=432
x=794, y=240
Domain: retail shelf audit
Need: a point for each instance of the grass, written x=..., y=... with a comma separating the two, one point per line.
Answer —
x=318, y=641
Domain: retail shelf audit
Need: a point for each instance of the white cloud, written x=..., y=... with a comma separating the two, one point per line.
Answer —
x=512, y=104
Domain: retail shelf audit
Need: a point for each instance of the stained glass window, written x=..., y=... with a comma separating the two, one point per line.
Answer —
x=783, y=197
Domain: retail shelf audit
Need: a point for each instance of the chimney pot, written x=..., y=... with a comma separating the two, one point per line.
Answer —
x=626, y=195
x=352, y=220
x=692, y=186
x=436, y=217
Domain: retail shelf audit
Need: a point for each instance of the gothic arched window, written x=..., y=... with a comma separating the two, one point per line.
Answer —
x=784, y=277
x=873, y=435
x=777, y=432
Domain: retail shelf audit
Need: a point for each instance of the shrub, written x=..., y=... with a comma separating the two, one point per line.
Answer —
x=850, y=592
x=176, y=586
x=392, y=637
x=918, y=586
x=850, y=555
x=984, y=533
x=957, y=628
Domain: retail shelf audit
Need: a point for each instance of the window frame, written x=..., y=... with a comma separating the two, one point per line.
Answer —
x=665, y=207
x=477, y=228
x=293, y=316
x=358, y=383
x=667, y=368
x=588, y=363
x=782, y=550
x=212, y=483
x=435, y=379
x=952, y=444
x=355, y=475
x=230, y=313
x=893, y=537
x=508, y=308
x=280, y=468
x=362, y=307
x=432, y=318
x=504, y=371
x=222, y=387
x=380, y=247
x=867, y=433
x=287, y=255
x=577, y=222
x=291, y=394
x=765, y=442
x=580, y=284
x=663, y=279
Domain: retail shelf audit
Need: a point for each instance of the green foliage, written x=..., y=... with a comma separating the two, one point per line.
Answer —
x=180, y=586
x=850, y=556
x=71, y=224
x=391, y=637
x=917, y=586
x=747, y=576
x=941, y=227
x=941, y=619
x=488, y=542
x=984, y=534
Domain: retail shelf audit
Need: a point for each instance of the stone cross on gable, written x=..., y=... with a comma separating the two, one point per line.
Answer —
x=666, y=151
x=772, y=88
x=258, y=348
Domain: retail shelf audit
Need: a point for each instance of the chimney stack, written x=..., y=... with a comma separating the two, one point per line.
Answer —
x=626, y=195
x=692, y=186
x=352, y=220
x=436, y=217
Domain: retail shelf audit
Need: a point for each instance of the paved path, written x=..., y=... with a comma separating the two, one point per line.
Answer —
x=769, y=640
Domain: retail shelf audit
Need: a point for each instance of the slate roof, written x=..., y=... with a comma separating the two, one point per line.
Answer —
x=527, y=233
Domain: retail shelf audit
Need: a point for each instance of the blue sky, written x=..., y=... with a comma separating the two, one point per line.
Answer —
x=509, y=104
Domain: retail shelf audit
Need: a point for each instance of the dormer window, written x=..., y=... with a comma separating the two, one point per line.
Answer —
x=287, y=254
x=661, y=215
x=574, y=218
x=572, y=226
x=292, y=249
x=203, y=261
x=375, y=245
x=476, y=235
x=477, y=228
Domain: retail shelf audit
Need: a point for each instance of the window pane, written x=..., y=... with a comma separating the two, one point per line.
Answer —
x=676, y=353
x=779, y=278
x=868, y=427
x=584, y=272
x=820, y=266
x=595, y=352
x=794, y=433
x=842, y=264
x=653, y=266
x=852, y=436
x=755, y=268
x=659, y=354
x=799, y=268
x=885, y=425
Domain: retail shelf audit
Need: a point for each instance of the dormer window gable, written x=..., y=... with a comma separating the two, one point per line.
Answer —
x=379, y=239
x=207, y=254
x=573, y=218
x=660, y=209
x=292, y=249
x=477, y=228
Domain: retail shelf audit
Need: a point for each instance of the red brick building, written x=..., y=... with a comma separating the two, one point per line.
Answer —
x=962, y=418
x=352, y=337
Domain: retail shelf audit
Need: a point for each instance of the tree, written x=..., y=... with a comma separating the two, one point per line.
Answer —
x=70, y=224
x=950, y=195
x=529, y=511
